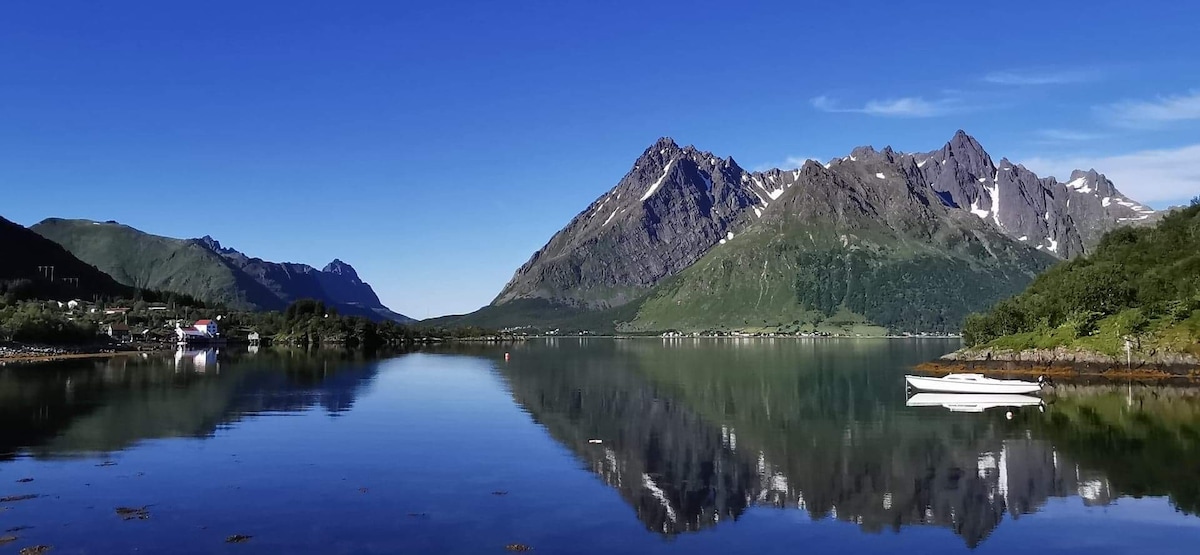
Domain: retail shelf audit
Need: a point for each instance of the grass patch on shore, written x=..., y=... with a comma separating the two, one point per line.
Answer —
x=1108, y=337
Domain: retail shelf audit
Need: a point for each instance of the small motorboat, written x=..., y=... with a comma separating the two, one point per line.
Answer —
x=966, y=402
x=972, y=383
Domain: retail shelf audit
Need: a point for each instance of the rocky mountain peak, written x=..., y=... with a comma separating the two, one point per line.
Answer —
x=968, y=153
x=664, y=148
x=865, y=152
x=341, y=268
x=209, y=242
x=678, y=203
x=214, y=245
x=1091, y=182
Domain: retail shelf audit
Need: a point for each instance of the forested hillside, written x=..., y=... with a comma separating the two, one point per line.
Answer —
x=1140, y=283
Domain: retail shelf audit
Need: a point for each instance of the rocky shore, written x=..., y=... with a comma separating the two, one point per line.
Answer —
x=1065, y=362
x=23, y=353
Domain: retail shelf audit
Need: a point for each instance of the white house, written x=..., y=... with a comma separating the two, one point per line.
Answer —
x=208, y=327
x=203, y=331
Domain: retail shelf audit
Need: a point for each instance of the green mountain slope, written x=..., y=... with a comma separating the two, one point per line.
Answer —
x=33, y=267
x=1140, y=283
x=840, y=250
x=146, y=261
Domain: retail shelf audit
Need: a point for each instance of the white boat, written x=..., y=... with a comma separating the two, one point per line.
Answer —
x=972, y=383
x=968, y=402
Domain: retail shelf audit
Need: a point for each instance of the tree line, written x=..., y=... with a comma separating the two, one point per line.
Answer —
x=1136, y=280
x=305, y=322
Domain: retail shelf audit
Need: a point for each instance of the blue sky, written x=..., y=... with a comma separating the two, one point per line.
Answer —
x=436, y=145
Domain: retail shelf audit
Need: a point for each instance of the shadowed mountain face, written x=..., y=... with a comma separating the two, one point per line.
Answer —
x=73, y=409
x=694, y=436
x=46, y=270
x=337, y=284
x=878, y=215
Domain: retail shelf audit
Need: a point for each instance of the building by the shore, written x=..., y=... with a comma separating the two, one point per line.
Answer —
x=203, y=332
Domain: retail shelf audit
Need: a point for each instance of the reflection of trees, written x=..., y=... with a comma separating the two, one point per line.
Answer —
x=719, y=426
x=1145, y=439
x=71, y=408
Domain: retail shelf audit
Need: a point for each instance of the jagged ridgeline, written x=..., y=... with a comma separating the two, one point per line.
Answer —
x=1139, y=283
x=874, y=241
x=210, y=272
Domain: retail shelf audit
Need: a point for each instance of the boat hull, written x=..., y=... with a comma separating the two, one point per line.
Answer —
x=939, y=385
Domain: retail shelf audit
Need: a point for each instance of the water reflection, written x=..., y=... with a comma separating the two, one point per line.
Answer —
x=691, y=434
x=69, y=409
x=694, y=435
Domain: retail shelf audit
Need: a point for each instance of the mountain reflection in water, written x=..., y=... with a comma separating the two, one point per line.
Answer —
x=691, y=434
x=695, y=433
x=69, y=409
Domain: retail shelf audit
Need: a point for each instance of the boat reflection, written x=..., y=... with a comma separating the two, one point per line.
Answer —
x=970, y=402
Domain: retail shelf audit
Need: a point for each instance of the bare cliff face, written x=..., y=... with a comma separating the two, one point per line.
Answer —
x=671, y=208
x=677, y=204
x=1064, y=219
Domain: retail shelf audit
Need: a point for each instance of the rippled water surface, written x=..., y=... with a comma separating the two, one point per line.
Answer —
x=584, y=446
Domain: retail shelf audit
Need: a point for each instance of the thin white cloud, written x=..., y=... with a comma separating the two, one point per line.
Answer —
x=789, y=163
x=1152, y=113
x=1068, y=135
x=906, y=107
x=794, y=162
x=1151, y=176
x=1027, y=77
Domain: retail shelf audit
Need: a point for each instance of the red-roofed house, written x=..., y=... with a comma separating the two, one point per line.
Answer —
x=208, y=327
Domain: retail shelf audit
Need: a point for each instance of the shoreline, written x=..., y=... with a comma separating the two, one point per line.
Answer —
x=610, y=336
x=33, y=358
x=1064, y=361
x=1068, y=370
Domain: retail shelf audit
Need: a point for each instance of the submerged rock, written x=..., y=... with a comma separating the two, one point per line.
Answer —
x=36, y=549
x=238, y=538
x=13, y=498
x=132, y=513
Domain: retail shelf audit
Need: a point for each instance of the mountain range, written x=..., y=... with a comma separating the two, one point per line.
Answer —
x=206, y=270
x=689, y=240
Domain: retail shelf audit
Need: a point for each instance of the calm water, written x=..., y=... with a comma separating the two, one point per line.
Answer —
x=711, y=446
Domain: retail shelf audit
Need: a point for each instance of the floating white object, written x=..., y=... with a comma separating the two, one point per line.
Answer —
x=972, y=383
x=595, y=441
